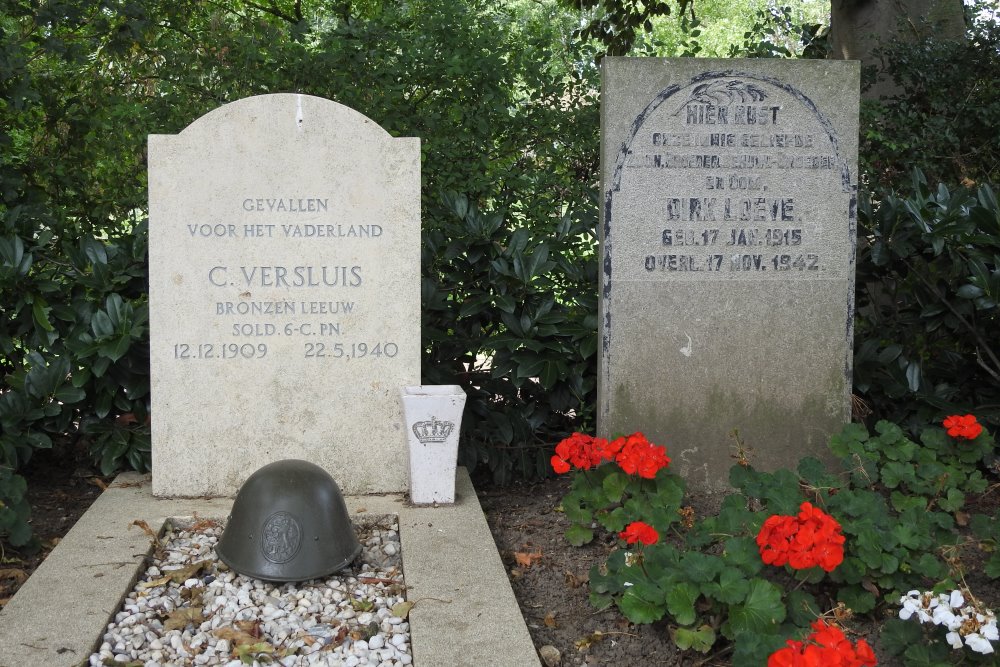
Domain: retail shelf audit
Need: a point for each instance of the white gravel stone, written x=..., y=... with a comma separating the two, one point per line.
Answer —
x=319, y=622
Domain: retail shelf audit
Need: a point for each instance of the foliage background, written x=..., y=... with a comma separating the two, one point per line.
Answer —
x=504, y=97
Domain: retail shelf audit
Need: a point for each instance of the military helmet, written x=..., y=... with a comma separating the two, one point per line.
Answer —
x=289, y=522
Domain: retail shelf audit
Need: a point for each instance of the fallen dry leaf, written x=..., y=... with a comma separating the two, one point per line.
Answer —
x=179, y=618
x=251, y=627
x=177, y=576
x=516, y=572
x=527, y=559
x=235, y=637
x=252, y=651
x=870, y=586
x=962, y=518
x=15, y=573
x=550, y=620
x=201, y=524
x=402, y=609
x=145, y=528
x=98, y=482
x=574, y=581
x=584, y=643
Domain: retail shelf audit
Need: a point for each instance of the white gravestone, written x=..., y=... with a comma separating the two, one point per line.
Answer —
x=727, y=254
x=284, y=254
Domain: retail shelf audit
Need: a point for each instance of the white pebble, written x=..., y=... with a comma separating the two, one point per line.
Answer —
x=302, y=618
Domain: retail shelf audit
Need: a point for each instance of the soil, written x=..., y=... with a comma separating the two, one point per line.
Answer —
x=547, y=574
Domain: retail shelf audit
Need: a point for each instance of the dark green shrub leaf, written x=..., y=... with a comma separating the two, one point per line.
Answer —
x=969, y=291
x=40, y=311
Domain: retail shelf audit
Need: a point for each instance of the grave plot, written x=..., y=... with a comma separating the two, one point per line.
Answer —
x=190, y=608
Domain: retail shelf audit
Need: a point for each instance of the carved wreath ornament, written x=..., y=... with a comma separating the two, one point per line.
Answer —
x=722, y=93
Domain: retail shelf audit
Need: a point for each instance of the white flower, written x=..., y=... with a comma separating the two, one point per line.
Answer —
x=954, y=639
x=978, y=643
x=957, y=599
x=944, y=616
x=989, y=631
x=627, y=584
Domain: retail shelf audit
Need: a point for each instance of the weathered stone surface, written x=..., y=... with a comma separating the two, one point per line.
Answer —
x=284, y=295
x=727, y=248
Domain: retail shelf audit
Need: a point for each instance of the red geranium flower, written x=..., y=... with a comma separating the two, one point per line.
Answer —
x=812, y=538
x=638, y=456
x=638, y=531
x=825, y=647
x=963, y=426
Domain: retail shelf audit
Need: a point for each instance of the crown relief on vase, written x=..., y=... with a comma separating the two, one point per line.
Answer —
x=433, y=430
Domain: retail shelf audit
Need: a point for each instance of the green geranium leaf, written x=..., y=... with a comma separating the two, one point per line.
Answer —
x=699, y=567
x=992, y=568
x=898, y=635
x=927, y=655
x=700, y=640
x=895, y=473
x=680, y=602
x=601, y=601
x=731, y=588
x=639, y=610
x=753, y=650
x=907, y=535
x=615, y=520
x=857, y=599
x=733, y=515
x=742, y=552
x=578, y=535
x=902, y=502
x=802, y=608
x=953, y=501
x=931, y=567
x=614, y=486
x=813, y=471
x=762, y=611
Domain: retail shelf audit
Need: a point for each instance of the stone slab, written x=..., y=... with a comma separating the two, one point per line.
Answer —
x=466, y=613
x=727, y=245
x=284, y=240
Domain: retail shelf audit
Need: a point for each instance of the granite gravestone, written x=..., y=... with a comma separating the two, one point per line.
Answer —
x=284, y=254
x=727, y=254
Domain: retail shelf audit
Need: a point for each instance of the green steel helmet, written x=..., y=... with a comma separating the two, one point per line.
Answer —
x=289, y=522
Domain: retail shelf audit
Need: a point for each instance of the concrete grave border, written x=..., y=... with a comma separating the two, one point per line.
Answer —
x=466, y=613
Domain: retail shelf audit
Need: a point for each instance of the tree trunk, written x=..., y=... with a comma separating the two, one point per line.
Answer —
x=858, y=27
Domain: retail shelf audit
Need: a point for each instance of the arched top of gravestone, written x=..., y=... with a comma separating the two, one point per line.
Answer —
x=285, y=115
x=719, y=89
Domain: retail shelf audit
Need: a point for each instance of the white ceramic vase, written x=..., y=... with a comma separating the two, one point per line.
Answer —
x=433, y=415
